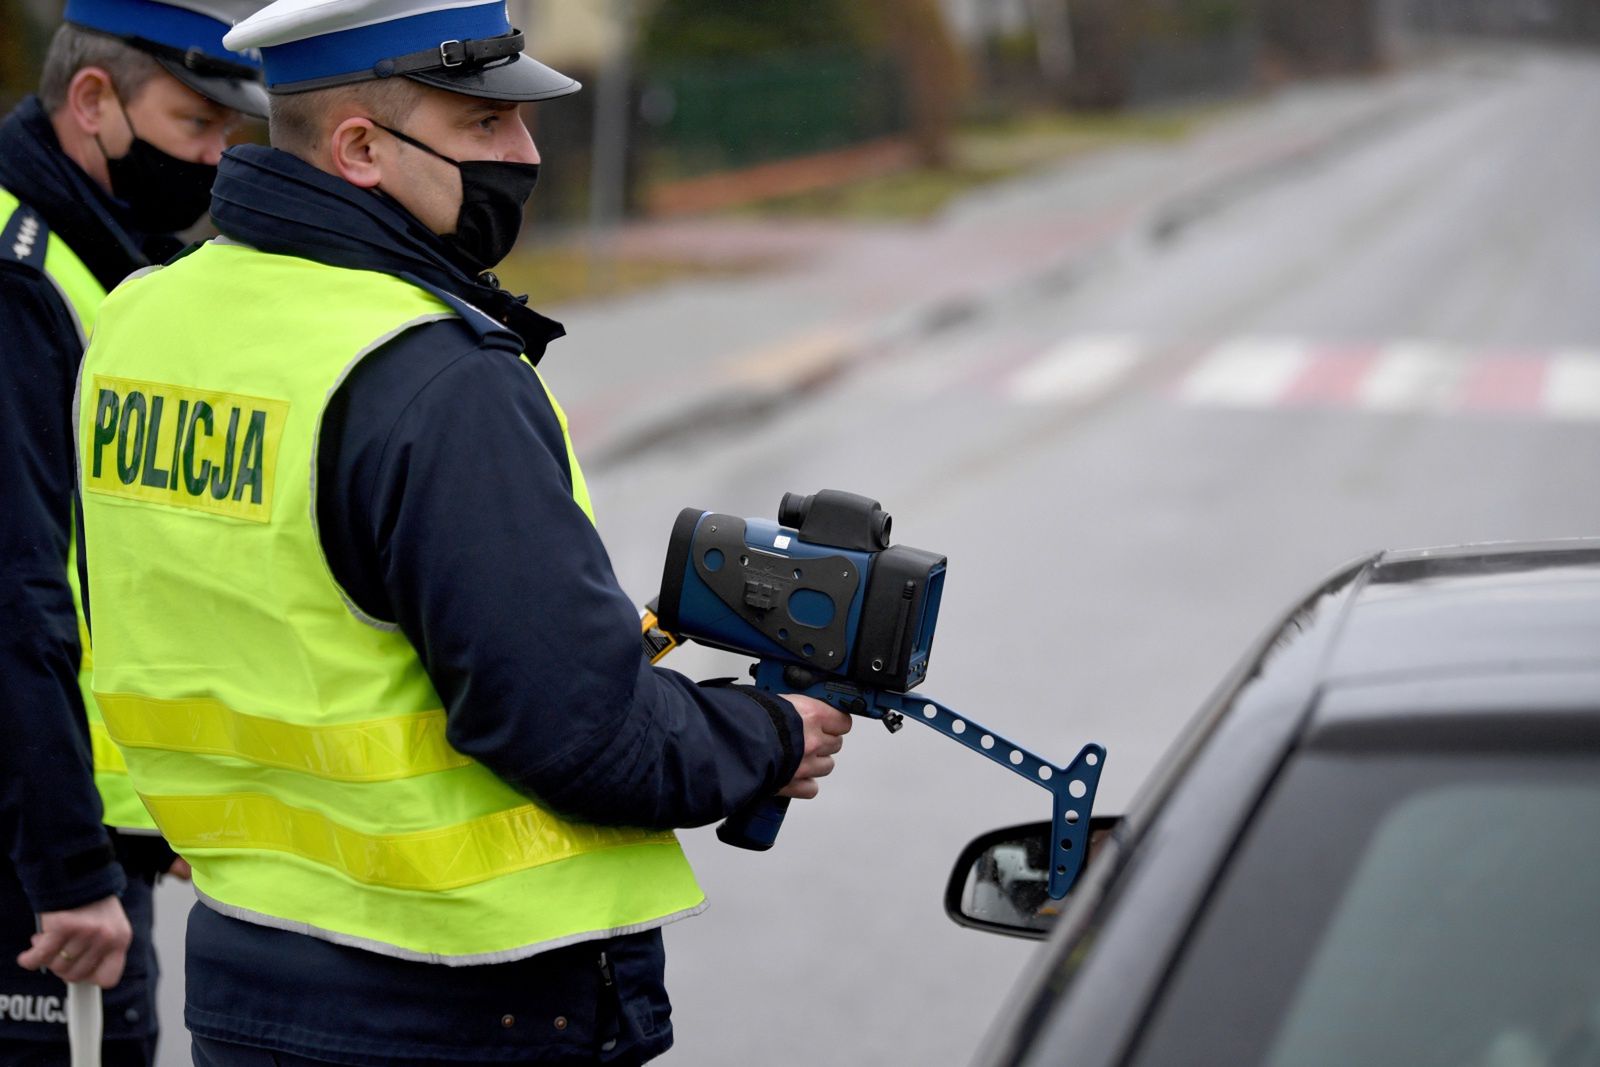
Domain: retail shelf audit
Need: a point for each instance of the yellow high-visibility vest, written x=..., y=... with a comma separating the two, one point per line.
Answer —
x=82, y=293
x=290, y=748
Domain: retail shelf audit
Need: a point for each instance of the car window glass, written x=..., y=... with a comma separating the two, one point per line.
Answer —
x=1416, y=911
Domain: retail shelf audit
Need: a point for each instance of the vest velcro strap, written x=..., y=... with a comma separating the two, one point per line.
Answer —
x=375, y=750
x=430, y=860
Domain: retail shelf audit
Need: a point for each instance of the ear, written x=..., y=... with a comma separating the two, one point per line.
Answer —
x=357, y=154
x=91, y=100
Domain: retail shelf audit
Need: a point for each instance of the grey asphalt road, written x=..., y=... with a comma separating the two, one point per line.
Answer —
x=1395, y=344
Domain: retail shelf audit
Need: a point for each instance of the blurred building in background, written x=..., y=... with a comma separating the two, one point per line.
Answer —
x=696, y=104
x=568, y=34
x=1560, y=20
x=728, y=100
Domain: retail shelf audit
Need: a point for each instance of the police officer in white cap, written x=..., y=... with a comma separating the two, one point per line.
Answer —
x=424, y=775
x=116, y=152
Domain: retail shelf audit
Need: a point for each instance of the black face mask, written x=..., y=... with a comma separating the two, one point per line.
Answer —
x=164, y=194
x=493, y=194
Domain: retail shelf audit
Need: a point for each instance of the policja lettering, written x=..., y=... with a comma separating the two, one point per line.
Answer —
x=31, y=1009
x=187, y=448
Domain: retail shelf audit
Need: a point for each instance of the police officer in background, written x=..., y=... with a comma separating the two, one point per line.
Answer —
x=115, y=153
x=354, y=627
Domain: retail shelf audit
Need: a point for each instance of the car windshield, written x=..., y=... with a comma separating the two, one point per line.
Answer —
x=1401, y=910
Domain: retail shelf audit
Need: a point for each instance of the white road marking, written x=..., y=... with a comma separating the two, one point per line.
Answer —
x=1078, y=369
x=1248, y=372
x=1267, y=372
x=1411, y=376
x=1572, y=385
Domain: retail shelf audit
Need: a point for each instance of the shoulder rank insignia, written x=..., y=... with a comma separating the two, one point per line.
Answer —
x=25, y=238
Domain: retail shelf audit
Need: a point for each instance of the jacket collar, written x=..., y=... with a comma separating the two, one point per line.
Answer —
x=90, y=220
x=276, y=202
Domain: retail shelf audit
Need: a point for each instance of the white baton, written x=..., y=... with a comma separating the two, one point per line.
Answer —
x=85, y=1020
x=85, y=1023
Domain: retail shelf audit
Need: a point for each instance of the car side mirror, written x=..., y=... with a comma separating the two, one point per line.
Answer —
x=1000, y=882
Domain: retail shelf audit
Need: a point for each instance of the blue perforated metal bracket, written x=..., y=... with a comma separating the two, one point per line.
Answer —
x=1072, y=787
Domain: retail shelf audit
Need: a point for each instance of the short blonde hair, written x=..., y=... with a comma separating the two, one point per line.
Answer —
x=298, y=121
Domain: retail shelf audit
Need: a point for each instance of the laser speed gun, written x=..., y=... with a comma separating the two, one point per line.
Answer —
x=830, y=609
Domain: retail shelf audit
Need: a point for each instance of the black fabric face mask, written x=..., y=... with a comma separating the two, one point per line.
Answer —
x=493, y=194
x=164, y=194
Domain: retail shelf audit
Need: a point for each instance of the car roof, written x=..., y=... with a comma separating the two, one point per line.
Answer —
x=1475, y=609
x=1482, y=644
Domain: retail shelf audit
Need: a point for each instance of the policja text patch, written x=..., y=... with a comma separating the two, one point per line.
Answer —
x=21, y=1008
x=187, y=448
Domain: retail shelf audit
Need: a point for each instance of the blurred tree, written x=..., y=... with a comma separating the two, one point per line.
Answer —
x=916, y=33
x=1322, y=36
x=25, y=29
x=1105, y=33
x=1053, y=43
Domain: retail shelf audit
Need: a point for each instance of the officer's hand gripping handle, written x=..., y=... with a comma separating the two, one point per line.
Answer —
x=755, y=826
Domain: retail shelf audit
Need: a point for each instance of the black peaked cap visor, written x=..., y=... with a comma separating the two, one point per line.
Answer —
x=518, y=78
x=241, y=94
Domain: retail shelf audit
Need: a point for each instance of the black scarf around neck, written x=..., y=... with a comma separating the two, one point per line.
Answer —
x=276, y=202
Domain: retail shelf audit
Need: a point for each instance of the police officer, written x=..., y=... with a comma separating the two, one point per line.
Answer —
x=354, y=628
x=117, y=151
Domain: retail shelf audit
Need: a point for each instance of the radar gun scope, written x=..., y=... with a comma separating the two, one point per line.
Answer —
x=831, y=610
x=821, y=591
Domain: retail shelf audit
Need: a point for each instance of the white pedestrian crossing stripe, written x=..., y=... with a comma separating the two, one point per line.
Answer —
x=1078, y=369
x=1397, y=377
x=1411, y=377
x=1246, y=373
x=1572, y=386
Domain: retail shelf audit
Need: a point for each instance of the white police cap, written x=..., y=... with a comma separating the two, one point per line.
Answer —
x=464, y=46
x=186, y=38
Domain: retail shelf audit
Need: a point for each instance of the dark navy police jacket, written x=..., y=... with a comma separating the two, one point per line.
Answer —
x=57, y=854
x=445, y=506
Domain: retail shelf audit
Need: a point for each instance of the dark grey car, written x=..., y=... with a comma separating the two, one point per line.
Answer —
x=1378, y=844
